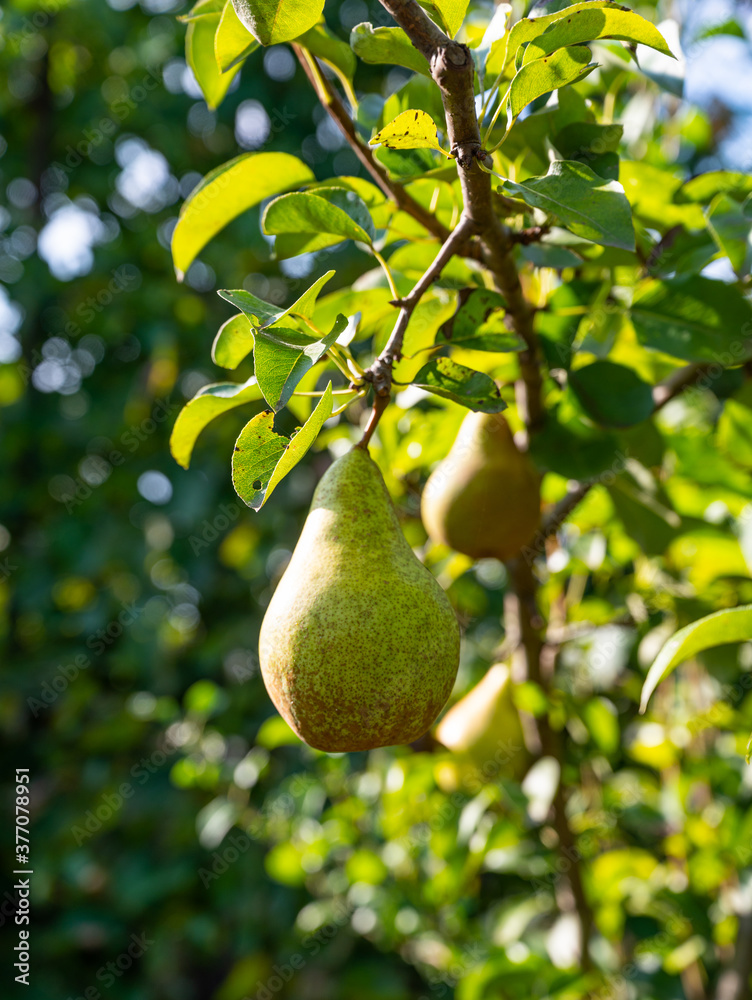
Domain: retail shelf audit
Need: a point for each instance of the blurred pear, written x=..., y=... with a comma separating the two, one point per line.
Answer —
x=484, y=732
x=484, y=498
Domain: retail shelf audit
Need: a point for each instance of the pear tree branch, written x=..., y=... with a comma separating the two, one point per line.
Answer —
x=380, y=372
x=671, y=387
x=452, y=69
x=332, y=103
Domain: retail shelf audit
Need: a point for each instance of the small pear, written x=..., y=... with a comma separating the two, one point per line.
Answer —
x=483, y=499
x=359, y=646
x=484, y=730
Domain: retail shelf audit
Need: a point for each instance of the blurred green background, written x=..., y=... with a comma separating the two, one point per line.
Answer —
x=173, y=815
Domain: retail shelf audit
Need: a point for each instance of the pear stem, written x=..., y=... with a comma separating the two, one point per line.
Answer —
x=380, y=403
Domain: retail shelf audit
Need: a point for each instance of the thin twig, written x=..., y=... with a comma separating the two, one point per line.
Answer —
x=663, y=393
x=676, y=383
x=333, y=105
x=380, y=403
x=555, y=517
x=380, y=372
x=532, y=235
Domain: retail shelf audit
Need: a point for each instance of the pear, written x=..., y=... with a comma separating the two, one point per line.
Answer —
x=484, y=732
x=359, y=646
x=483, y=499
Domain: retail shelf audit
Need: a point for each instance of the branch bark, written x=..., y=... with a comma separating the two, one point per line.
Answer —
x=331, y=102
x=663, y=393
x=380, y=372
x=452, y=69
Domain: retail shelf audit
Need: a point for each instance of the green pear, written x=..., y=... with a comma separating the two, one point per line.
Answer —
x=359, y=646
x=483, y=499
x=484, y=730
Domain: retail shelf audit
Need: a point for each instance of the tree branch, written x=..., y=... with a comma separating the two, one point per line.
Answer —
x=525, y=619
x=676, y=383
x=452, y=69
x=331, y=102
x=380, y=372
x=554, y=519
x=663, y=393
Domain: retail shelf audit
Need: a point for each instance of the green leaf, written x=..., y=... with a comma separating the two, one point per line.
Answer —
x=263, y=315
x=475, y=390
x=587, y=204
x=410, y=130
x=259, y=312
x=613, y=395
x=694, y=318
x=232, y=41
x=572, y=447
x=647, y=515
x=234, y=341
x=718, y=629
x=387, y=45
x=730, y=27
x=734, y=433
x=448, y=14
x=325, y=45
x=557, y=324
x=547, y=74
x=507, y=50
x=730, y=225
x=602, y=721
x=591, y=24
x=208, y=403
x=407, y=164
x=591, y=144
x=312, y=221
x=282, y=357
x=274, y=21
x=199, y=54
x=479, y=325
x=228, y=191
x=202, y=9
x=705, y=187
x=262, y=457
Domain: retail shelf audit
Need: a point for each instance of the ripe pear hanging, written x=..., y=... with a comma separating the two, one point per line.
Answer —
x=483, y=499
x=359, y=646
x=484, y=731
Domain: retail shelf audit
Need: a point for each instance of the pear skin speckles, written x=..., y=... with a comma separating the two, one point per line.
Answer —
x=359, y=646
